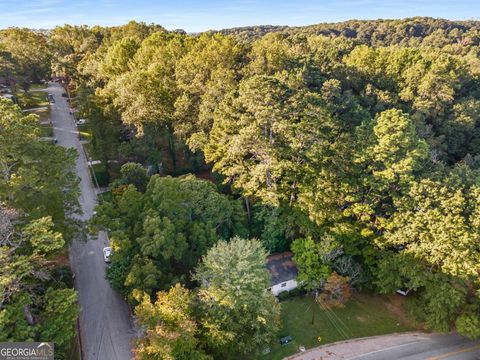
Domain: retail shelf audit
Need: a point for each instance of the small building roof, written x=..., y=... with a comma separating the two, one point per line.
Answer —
x=281, y=267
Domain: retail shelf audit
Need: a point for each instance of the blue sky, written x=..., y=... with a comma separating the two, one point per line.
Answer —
x=201, y=15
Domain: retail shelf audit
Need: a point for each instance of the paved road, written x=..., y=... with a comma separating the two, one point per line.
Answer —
x=105, y=321
x=408, y=346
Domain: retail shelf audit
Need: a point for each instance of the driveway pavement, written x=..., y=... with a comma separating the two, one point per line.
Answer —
x=105, y=321
x=406, y=346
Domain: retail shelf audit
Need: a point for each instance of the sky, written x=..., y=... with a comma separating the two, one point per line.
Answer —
x=201, y=15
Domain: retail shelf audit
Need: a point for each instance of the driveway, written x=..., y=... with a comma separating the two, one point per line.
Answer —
x=406, y=346
x=105, y=321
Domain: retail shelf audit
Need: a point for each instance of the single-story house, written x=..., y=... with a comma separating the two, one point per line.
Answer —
x=283, y=271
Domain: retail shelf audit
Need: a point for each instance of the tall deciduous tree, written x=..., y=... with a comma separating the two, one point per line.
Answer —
x=239, y=317
x=169, y=326
x=30, y=52
x=164, y=232
x=35, y=176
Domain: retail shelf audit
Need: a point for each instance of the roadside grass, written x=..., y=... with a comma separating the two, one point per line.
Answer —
x=84, y=133
x=364, y=315
x=101, y=174
x=72, y=351
x=38, y=86
x=34, y=100
x=105, y=196
x=46, y=131
x=43, y=114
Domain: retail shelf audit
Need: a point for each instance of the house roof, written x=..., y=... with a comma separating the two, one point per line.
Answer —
x=281, y=267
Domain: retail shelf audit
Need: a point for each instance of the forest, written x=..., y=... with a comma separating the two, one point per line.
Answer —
x=355, y=145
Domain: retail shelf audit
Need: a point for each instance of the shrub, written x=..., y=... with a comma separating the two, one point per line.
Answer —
x=283, y=295
x=298, y=291
x=336, y=291
x=101, y=174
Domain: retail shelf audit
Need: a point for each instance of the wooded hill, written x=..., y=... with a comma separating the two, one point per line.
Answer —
x=355, y=143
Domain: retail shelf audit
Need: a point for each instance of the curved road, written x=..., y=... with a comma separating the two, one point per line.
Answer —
x=406, y=346
x=105, y=321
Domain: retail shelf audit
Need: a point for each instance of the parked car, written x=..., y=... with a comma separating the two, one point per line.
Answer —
x=81, y=121
x=64, y=94
x=107, y=251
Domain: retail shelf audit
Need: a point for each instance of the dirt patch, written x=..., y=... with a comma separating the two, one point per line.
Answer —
x=62, y=260
x=396, y=305
x=205, y=175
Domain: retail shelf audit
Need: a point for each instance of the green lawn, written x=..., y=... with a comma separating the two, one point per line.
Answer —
x=84, y=133
x=43, y=115
x=46, y=131
x=106, y=196
x=72, y=351
x=38, y=86
x=33, y=99
x=364, y=315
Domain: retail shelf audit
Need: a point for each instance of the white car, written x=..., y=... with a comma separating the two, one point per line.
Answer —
x=82, y=122
x=107, y=251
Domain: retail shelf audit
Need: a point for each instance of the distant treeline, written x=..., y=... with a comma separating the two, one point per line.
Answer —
x=412, y=31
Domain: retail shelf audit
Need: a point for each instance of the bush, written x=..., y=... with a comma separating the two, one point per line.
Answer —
x=62, y=276
x=283, y=295
x=101, y=173
x=298, y=291
x=468, y=325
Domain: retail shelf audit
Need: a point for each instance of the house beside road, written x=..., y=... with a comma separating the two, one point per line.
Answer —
x=283, y=272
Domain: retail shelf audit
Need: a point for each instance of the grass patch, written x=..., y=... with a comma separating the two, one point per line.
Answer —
x=43, y=114
x=72, y=351
x=38, y=86
x=84, y=132
x=32, y=99
x=105, y=196
x=46, y=131
x=364, y=315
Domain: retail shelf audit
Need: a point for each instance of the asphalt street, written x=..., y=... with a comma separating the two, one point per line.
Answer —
x=408, y=346
x=105, y=320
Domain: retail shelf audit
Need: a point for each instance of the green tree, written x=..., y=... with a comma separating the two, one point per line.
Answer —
x=118, y=57
x=159, y=236
x=135, y=174
x=30, y=52
x=170, y=330
x=263, y=136
x=60, y=314
x=397, y=150
x=205, y=74
x=311, y=260
x=238, y=317
x=27, y=313
x=469, y=325
x=36, y=177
